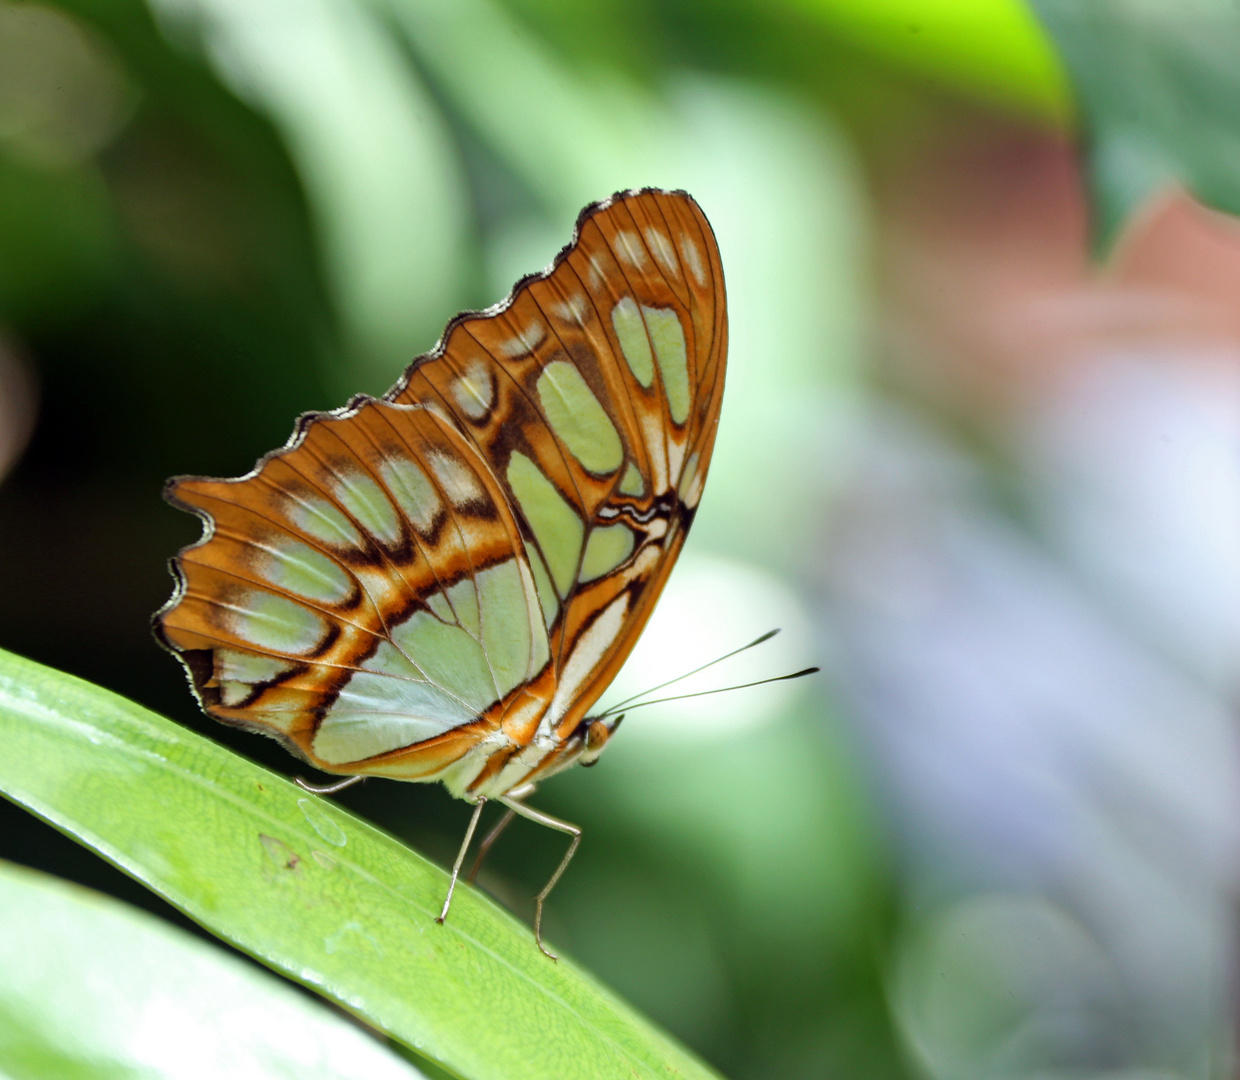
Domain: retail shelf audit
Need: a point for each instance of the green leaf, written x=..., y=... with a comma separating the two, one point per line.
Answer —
x=992, y=50
x=92, y=988
x=312, y=891
x=1158, y=85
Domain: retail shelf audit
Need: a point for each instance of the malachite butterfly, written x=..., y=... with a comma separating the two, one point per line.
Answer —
x=439, y=583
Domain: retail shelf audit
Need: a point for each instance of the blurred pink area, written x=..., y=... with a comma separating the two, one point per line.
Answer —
x=992, y=296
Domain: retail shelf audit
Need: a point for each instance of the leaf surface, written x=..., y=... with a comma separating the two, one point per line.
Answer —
x=91, y=988
x=311, y=890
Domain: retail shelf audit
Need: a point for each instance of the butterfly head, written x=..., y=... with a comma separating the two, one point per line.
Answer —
x=597, y=732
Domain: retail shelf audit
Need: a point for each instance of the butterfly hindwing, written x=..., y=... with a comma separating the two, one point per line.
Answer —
x=341, y=598
x=453, y=572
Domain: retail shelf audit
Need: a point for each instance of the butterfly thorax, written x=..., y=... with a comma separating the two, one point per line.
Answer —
x=498, y=765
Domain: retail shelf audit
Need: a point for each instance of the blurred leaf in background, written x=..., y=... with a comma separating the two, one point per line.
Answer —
x=64, y=97
x=991, y=51
x=1159, y=89
x=374, y=154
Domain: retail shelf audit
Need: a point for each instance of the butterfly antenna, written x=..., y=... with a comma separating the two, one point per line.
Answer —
x=679, y=678
x=725, y=689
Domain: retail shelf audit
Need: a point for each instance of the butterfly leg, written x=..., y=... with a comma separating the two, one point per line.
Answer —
x=460, y=857
x=328, y=789
x=490, y=839
x=550, y=822
x=521, y=792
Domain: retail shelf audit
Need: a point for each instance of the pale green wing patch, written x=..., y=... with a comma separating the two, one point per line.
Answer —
x=474, y=391
x=463, y=601
x=413, y=490
x=638, y=329
x=275, y=623
x=576, y=416
x=437, y=674
x=512, y=636
x=668, y=337
x=606, y=548
x=555, y=524
x=305, y=571
x=547, y=599
x=246, y=667
x=238, y=673
x=370, y=507
x=438, y=603
x=451, y=658
x=375, y=713
x=630, y=328
x=323, y=520
x=632, y=483
x=383, y=708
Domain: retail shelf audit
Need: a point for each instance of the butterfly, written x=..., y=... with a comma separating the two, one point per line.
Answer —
x=439, y=583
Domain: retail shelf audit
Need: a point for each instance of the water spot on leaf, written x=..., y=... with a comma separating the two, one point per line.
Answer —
x=322, y=824
x=349, y=937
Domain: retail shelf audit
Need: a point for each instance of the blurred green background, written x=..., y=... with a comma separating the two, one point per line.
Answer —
x=990, y=486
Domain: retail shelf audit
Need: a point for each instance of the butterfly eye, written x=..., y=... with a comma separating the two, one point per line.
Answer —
x=597, y=735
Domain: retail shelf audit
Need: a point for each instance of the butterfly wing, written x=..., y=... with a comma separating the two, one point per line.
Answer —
x=430, y=584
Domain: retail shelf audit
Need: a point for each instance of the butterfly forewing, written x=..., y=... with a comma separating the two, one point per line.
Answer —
x=440, y=583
